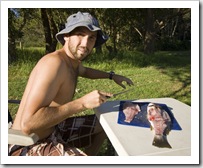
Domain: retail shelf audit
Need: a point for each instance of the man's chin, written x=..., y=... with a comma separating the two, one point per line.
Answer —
x=82, y=54
x=82, y=57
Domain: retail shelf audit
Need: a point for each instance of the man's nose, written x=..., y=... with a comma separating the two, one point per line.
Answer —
x=84, y=41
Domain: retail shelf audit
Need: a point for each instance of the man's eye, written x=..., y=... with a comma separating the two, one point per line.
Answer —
x=79, y=34
x=92, y=38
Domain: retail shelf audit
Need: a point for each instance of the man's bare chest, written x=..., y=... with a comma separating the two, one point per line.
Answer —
x=67, y=89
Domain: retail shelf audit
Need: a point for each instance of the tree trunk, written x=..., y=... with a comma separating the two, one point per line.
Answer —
x=99, y=50
x=11, y=50
x=11, y=38
x=47, y=20
x=54, y=30
x=149, y=39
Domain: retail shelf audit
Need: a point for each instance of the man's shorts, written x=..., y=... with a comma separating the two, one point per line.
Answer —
x=67, y=138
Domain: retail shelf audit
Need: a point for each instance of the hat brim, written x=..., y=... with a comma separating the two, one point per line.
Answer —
x=101, y=38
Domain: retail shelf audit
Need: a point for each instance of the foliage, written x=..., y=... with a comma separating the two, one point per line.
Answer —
x=173, y=44
x=131, y=29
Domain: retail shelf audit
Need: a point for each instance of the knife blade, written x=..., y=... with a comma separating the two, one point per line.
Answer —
x=116, y=94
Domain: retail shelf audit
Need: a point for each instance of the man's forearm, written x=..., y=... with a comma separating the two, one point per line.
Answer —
x=95, y=74
x=47, y=117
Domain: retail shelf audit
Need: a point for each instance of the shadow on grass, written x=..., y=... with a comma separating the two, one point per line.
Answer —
x=162, y=59
x=183, y=76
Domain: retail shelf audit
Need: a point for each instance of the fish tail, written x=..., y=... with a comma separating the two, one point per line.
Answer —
x=161, y=141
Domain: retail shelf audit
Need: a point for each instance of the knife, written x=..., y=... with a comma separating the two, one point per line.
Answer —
x=116, y=94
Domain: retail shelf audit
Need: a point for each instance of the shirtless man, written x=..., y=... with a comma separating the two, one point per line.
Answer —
x=48, y=98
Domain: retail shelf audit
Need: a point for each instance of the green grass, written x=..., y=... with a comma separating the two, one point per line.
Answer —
x=164, y=74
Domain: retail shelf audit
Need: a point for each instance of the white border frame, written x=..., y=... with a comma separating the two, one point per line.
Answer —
x=193, y=159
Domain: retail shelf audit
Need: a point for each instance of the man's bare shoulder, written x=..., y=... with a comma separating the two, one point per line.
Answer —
x=54, y=59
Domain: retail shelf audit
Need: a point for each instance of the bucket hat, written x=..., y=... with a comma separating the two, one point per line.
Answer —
x=82, y=20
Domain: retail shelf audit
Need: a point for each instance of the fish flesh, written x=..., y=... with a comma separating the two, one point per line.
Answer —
x=130, y=110
x=161, y=124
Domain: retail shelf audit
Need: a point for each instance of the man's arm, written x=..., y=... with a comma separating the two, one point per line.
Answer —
x=43, y=86
x=47, y=117
x=93, y=73
x=97, y=74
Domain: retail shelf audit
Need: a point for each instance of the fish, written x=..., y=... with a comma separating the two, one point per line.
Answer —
x=130, y=110
x=160, y=122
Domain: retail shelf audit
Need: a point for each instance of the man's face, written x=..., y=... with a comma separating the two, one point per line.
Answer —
x=81, y=42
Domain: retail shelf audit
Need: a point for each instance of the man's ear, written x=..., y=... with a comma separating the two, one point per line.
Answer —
x=66, y=37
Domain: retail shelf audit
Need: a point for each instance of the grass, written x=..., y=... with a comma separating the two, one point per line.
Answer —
x=163, y=74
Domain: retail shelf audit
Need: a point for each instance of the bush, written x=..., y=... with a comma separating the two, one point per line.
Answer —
x=171, y=44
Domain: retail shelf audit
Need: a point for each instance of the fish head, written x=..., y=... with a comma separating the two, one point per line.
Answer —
x=130, y=110
x=153, y=110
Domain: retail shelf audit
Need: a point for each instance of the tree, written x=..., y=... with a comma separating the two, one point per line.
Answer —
x=50, y=29
x=11, y=36
x=17, y=20
x=149, y=37
x=142, y=29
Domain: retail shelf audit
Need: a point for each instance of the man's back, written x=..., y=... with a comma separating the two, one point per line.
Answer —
x=51, y=83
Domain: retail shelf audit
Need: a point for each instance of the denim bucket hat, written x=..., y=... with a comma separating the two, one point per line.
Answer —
x=86, y=20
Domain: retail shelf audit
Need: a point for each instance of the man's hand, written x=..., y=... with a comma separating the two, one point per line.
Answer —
x=120, y=79
x=94, y=99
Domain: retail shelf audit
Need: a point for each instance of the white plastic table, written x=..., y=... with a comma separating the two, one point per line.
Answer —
x=137, y=141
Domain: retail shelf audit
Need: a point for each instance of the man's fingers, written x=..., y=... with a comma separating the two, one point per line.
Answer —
x=128, y=82
x=123, y=86
x=105, y=95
